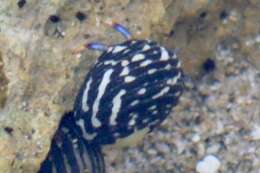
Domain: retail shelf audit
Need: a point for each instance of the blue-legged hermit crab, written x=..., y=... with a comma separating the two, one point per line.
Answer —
x=129, y=91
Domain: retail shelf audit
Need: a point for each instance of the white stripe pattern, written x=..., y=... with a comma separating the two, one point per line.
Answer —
x=164, y=54
x=118, y=49
x=86, y=135
x=117, y=101
x=101, y=90
x=138, y=57
x=161, y=93
x=75, y=151
x=85, y=106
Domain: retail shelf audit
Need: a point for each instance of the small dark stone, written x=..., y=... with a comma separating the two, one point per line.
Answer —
x=9, y=130
x=21, y=3
x=203, y=14
x=81, y=16
x=54, y=18
x=193, y=151
x=223, y=15
x=198, y=120
x=209, y=65
x=172, y=33
x=222, y=144
x=207, y=140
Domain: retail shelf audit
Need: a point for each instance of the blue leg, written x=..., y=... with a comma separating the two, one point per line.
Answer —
x=92, y=45
x=96, y=46
x=122, y=30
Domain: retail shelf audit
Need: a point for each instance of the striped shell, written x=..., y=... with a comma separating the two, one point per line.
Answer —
x=132, y=86
x=70, y=153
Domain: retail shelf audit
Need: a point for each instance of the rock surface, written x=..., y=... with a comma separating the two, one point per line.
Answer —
x=220, y=49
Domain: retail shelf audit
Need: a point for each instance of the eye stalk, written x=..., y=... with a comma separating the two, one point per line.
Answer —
x=102, y=47
x=96, y=46
x=122, y=30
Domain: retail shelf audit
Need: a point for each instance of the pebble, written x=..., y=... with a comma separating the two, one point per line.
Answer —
x=210, y=164
x=151, y=151
x=255, y=134
x=164, y=148
x=196, y=138
x=213, y=148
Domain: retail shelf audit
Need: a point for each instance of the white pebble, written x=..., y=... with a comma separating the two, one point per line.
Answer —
x=210, y=164
x=255, y=134
x=164, y=148
x=257, y=39
x=195, y=138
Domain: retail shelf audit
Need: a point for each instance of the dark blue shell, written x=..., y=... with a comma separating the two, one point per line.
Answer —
x=132, y=86
x=70, y=153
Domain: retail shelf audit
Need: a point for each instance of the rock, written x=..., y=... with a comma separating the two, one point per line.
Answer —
x=255, y=134
x=40, y=76
x=3, y=83
x=195, y=138
x=210, y=164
